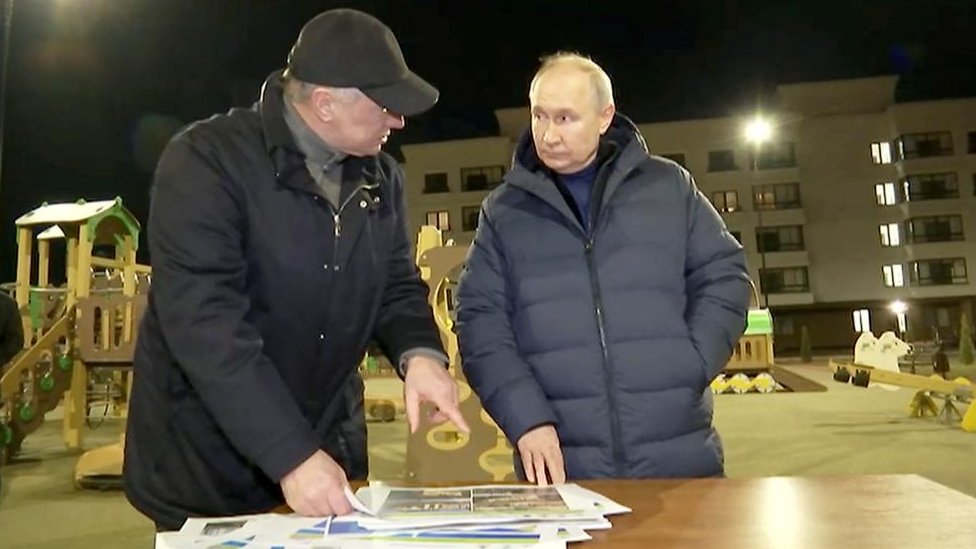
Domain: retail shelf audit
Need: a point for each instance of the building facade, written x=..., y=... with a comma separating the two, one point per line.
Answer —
x=857, y=213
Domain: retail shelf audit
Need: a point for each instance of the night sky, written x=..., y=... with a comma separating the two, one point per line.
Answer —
x=96, y=87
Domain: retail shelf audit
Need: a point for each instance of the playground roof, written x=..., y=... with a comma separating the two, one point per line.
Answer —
x=86, y=216
x=72, y=212
x=53, y=232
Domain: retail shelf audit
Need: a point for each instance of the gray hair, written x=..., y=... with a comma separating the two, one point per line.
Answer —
x=602, y=87
x=299, y=91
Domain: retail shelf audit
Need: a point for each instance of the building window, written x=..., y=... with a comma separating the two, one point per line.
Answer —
x=938, y=272
x=784, y=280
x=721, y=161
x=435, y=183
x=923, y=145
x=783, y=326
x=971, y=149
x=894, y=275
x=482, y=178
x=890, y=234
x=469, y=217
x=726, y=201
x=676, y=157
x=862, y=320
x=781, y=196
x=786, y=238
x=439, y=219
x=774, y=156
x=930, y=186
x=881, y=152
x=935, y=228
x=886, y=194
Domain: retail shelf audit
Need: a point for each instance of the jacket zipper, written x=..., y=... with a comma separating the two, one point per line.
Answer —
x=337, y=223
x=618, y=454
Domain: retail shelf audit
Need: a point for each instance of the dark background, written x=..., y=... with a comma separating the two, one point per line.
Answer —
x=96, y=87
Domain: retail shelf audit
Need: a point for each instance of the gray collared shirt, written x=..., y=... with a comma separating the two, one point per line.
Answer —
x=323, y=162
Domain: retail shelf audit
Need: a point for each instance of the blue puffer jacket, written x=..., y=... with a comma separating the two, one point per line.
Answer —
x=611, y=334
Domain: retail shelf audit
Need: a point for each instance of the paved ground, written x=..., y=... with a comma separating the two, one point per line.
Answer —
x=843, y=431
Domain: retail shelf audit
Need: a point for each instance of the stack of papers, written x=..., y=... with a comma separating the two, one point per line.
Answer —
x=497, y=516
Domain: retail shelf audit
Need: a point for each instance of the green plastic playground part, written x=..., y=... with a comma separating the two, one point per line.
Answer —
x=35, y=305
x=47, y=382
x=6, y=435
x=26, y=413
x=759, y=322
x=64, y=362
x=121, y=214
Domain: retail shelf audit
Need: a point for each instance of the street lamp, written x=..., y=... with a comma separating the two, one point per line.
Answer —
x=900, y=308
x=756, y=132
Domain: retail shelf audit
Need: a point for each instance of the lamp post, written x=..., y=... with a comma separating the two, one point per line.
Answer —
x=757, y=131
x=900, y=308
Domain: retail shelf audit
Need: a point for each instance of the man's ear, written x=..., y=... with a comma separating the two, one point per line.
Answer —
x=606, y=117
x=323, y=103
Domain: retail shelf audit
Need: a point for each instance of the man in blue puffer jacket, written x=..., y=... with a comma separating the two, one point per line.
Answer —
x=600, y=297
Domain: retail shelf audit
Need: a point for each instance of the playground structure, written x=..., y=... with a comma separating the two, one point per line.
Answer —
x=752, y=367
x=79, y=337
x=930, y=391
x=876, y=364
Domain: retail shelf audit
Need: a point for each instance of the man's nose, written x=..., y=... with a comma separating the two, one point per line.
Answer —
x=550, y=135
x=395, y=121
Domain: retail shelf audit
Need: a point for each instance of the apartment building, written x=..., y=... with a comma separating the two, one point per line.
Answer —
x=857, y=212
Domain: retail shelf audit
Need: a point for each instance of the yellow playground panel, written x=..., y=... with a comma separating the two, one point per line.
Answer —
x=79, y=336
x=442, y=452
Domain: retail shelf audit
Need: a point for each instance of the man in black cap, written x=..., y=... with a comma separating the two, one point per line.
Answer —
x=280, y=249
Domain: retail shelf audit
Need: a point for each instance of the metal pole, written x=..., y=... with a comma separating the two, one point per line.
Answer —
x=759, y=239
x=8, y=19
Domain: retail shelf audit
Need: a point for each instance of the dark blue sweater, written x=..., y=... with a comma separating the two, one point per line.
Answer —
x=580, y=186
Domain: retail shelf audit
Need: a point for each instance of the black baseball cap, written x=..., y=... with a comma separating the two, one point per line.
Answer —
x=346, y=48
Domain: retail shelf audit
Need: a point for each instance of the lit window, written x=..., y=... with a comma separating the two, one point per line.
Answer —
x=894, y=275
x=439, y=219
x=862, y=320
x=881, y=152
x=885, y=193
x=726, y=201
x=890, y=235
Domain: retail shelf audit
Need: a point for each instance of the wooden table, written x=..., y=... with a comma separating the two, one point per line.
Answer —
x=855, y=512
x=891, y=512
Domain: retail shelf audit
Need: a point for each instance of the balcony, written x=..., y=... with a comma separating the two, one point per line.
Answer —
x=792, y=216
x=776, y=260
x=796, y=298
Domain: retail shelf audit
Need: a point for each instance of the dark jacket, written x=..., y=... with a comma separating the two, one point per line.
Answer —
x=261, y=309
x=613, y=334
x=11, y=330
